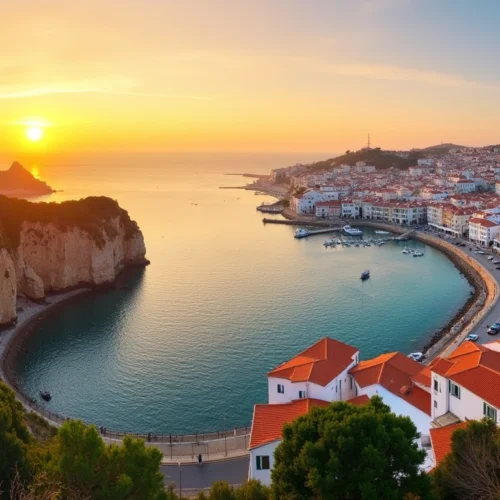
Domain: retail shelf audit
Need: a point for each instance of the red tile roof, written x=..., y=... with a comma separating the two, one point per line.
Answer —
x=441, y=440
x=320, y=363
x=423, y=377
x=394, y=371
x=359, y=400
x=474, y=367
x=268, y=420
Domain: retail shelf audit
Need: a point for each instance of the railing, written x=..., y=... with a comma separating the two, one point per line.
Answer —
x=170, y=439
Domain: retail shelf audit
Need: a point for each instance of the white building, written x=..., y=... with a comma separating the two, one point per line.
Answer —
x=483, y=231
x=465, y=186
x=330, y=371
x=350, y=209
x=305, y=204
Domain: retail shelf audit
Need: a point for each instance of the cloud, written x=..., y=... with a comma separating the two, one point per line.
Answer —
x=401, y=74
x=117, y=88
x=44, y=91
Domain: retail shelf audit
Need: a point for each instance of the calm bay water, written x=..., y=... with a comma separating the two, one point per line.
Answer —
x=187, y=345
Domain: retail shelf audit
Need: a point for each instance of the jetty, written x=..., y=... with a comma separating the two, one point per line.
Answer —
x=404, y=236
x=287, y=222
x=321, y=231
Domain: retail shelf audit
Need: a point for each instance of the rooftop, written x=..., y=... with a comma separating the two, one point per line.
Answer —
x=320, y=363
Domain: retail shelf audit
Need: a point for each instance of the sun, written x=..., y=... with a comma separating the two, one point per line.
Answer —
x=34, y=134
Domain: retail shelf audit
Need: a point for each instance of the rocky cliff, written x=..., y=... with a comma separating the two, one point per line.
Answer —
x=52, y=247
x=17, y=181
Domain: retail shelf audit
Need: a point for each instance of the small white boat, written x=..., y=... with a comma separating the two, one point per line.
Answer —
x=405, y=251
x=352, y=231
x=301, y=233
x=382, y=232
x=418, y=253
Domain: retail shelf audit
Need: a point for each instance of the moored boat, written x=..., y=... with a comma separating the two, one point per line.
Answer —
x=381, y=232
x=45, y=395
x=365, y=274
x=352, y=231
x=301, y=233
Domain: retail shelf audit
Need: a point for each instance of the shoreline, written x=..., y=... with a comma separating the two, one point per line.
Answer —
x=11, y=339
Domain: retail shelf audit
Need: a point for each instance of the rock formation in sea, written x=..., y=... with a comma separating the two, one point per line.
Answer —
x=49, y=247
x=18, y=181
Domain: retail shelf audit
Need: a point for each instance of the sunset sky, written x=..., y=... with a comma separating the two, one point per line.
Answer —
x=248, y=75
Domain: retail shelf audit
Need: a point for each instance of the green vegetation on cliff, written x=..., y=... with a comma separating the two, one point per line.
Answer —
x=377, y=157
x=91, y=215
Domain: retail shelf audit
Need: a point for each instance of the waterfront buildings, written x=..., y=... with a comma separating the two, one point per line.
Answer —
x=446, y=191
x=438, y=398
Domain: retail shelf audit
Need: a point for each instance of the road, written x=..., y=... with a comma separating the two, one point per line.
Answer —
x=194, y=478
x=494, y=314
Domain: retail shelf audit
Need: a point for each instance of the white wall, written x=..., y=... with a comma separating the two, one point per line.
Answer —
x=440, y=396
x=264, y=476
x=399, y=406
x=468, y=406
x=291, y=390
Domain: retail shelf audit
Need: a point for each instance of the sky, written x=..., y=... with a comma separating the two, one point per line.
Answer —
x=248, y=75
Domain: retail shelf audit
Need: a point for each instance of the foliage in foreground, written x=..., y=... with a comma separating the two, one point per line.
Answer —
x=251, y=490
x=350, y=452
x=472, y=469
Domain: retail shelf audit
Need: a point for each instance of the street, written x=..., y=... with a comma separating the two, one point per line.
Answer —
x=234, y=471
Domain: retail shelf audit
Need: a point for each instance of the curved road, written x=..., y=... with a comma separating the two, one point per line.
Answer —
x=194, y=478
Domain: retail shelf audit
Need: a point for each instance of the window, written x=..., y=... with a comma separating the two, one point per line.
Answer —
x=454, y=389
x=302, y=394
x=436, y=385
x=489, y=411
x=263, y=462
x=435, y=404
x=281, y=389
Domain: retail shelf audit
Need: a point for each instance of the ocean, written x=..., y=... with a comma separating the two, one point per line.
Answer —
x=187, y=345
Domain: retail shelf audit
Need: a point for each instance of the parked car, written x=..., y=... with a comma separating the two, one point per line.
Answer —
x=490, y=257
x=416, y=356
x=472, y=337
x=494, y=329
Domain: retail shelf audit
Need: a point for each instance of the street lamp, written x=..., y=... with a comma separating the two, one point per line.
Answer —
x=180, y=478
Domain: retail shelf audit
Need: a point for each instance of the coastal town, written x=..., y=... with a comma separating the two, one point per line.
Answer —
x=456, y=192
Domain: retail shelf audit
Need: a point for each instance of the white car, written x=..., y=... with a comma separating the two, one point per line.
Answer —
x=472, y=337
x=494, y=261
x=416, y=356
x=490, y=257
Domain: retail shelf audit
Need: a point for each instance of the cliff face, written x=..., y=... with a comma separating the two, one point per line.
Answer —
x=8, y=289
x=45, y=255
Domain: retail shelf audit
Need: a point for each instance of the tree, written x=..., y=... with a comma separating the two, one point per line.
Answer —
x=349, y=452
x=84, y=467
x=14, y=438
x=251, y=490
x=472, y=469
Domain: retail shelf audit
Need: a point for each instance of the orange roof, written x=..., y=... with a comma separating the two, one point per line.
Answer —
x=320, y=363
x=441, y=439
x=423, y=377
x=268, y=420
x=394, y=371
x=359, y=400
x=474, y=367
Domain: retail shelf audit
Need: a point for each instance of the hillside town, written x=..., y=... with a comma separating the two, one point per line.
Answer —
x=456, y=192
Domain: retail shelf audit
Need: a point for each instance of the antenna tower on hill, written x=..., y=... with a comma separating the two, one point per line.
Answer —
x=368, y=145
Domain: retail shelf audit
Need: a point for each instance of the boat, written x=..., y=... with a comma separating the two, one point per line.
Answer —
x=45, y=395
x=301, y=233
x=365, y=274
x=382, y=232
x=352, y=231
x=405, y=250
x=418, y=253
